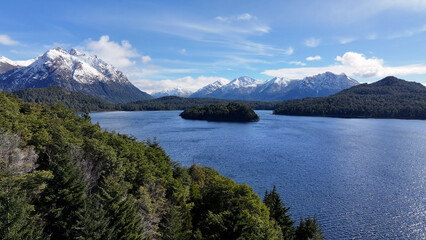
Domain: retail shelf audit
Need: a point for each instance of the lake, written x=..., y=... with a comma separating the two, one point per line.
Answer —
x=363, y=178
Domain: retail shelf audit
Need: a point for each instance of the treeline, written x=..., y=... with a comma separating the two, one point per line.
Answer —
x=231, y=112
x=82, y=102
x=62, y=177
x=387, y=98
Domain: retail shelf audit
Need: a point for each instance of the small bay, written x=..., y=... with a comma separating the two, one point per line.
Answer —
x=363, y=178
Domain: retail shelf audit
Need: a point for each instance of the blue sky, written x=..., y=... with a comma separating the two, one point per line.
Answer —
x=188, y=44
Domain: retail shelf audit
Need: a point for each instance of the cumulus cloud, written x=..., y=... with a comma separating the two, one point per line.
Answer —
x=117, y=54
x=352, y=64
x=312, y=42
x=313, y=58
x=187, y=83
x=146, y=59
x=8, y=41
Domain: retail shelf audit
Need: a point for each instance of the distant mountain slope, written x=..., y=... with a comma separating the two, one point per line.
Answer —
x=178, y=92
x=74, y=100
x=276, y=89
x=206, y=90
x=74, y=71
x=7, y=64
x=388, y=98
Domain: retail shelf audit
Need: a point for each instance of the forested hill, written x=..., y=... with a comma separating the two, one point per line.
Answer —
x=75, y=100
x=388, y=98
x=82, y=102
x=62, y=177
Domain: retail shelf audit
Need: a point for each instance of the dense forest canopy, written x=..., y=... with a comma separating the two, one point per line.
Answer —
x=62, y=177
x=388, y=98
x=231, y=112
x=83, y=102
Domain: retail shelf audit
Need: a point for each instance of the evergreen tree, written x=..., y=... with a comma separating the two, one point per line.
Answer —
x=309, y=229
x=62, y=200
x=121, y=209
x=93, y=222
x=278, y=212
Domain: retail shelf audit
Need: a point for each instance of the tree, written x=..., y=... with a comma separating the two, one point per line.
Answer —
x=278, y=212
x=309, y=229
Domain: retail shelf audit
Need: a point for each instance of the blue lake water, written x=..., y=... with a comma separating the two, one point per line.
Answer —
x=363, y=178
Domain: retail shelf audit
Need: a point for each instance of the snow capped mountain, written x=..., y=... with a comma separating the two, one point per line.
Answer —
x=179, y=92
x=75, y=71
x=209, y=88
x=239, y=88
x=279, y=88
x=7, y=64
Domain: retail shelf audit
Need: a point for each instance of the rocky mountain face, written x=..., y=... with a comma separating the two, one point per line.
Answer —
x=75, y=71
x=278, y=88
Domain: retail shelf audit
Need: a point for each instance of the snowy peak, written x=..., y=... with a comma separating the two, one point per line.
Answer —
x=179, y=92
x=243, y=81
x=329, y=80
x=210, y=88
x=75, y=71
x=6, y=64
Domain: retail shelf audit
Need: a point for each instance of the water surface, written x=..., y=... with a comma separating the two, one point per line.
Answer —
x=363, y=178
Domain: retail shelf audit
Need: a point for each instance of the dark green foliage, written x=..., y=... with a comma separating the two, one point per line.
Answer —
x=309, y=229
x=179, y=103
x=231, y=112
x=75, y=100
x=387, y=98
x=278, y=212
x=82, y=102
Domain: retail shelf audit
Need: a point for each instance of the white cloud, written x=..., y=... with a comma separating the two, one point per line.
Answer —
x=346, y=40
x=146, y=59
x=289, y=51
x=6, y=40
x=245, y=17
x=408, y=33
x=119, y=55
x=312, y=42
x=298, y=63
x=186, y=83
x=313, y=58
x=183, y=51
x=222, y=19
x=352, y=64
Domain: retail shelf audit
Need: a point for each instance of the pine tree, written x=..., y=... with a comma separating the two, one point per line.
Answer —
x=121, y=208
x=278, y=212
x=93, y=222
x=63, y=199
x=309, y=229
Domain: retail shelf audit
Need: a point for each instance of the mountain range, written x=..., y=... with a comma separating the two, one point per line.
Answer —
x=81, y=72
x=276, y=89
x=73, y=70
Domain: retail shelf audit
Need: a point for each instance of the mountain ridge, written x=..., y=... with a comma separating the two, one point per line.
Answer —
x=75, y=71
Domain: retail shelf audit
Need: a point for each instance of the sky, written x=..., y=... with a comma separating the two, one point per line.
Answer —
x=163, y=45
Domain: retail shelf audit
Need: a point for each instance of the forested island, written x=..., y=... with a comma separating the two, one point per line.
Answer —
x=62, y=177
x=388, y=98
x=231, y=112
